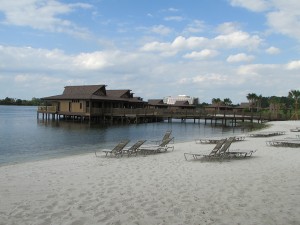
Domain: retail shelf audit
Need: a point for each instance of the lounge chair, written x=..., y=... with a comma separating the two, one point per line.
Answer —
x=207, y=140
x=215, y=140
x=288, y=142
x=235, y=153
x=117, y=150
x=166, y=136
x=134, y=149
x=211, y=154
x=297, y=129
x=163, y=147
x=221, y=151
x=266, y=134
x=239, y=154
x=225, y=153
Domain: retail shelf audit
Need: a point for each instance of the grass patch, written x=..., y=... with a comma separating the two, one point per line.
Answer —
x=252, y=126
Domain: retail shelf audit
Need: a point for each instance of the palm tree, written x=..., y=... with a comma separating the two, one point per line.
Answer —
x=252, y=98
x=275, y=105
x=295, y=95
x=227, y=101
x=259, y=100
x=217, y=102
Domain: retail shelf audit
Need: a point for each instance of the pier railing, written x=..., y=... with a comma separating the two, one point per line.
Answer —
x=47, y=109
x=153, y=112
x=166, y=113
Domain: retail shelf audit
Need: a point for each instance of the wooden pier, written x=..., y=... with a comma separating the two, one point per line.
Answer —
x=147, y=115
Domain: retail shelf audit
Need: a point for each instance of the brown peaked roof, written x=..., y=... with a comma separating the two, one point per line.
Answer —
x=85, y=89
x=81, y=92
x=118, y=93
x=156, y=102
x=95, y=92
x=181, y=103
x=135, y=100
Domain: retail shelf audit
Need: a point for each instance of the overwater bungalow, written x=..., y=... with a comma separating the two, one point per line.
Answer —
x=89, y=102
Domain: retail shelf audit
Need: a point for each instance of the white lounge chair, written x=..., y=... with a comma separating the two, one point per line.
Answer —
x=134, y=149
x=166, y=136
x=117, y=150
x=211, y=154
x=163, y=147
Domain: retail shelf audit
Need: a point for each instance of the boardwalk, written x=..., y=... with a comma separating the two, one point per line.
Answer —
x=145, y=115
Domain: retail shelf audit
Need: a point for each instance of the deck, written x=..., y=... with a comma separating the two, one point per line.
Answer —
x=144, y=115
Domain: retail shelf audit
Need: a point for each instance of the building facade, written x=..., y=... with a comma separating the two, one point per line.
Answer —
x=91, y=100
x=180, y=98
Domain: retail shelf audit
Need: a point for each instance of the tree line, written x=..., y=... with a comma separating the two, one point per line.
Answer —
x=259, y=102
x=14, y=101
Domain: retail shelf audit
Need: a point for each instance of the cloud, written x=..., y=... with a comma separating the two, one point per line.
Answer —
x=238, y=39
x=293, y=65
x=241, y=57
x=42, y=15
x=54, y=60
x=257, y=69
x=180, y=43
x=164, y=48
x=273, y=50
x=196, y=26
x=253, y=5
x=161, y=29
x=285, y=20
x=204, y=78
x=93, y=61
x=173, y=9
x=188, y=62
x=174, y=18
x=39, y=84
x=204, y=54
x=54, y=69
x=282, y=15
x=28, y=79
x=228, y=27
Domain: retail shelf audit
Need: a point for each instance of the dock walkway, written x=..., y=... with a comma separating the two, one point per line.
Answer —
x=146, y=115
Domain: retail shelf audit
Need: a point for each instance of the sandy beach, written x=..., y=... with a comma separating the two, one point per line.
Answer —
x=158, y=189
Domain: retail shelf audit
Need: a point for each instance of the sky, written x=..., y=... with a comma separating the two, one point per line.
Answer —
x=201, y=48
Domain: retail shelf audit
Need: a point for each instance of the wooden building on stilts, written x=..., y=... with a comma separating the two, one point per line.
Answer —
x=90, y=102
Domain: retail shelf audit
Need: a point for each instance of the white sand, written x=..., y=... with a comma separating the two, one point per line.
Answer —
x=158, y=189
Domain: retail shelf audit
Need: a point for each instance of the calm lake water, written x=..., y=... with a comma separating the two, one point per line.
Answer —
x=24, y=138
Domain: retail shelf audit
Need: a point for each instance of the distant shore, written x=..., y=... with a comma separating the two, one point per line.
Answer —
x=158, y=189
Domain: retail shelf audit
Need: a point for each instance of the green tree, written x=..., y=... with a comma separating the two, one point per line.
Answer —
x=8, y=101
x=19, y=102
x=217, y=102
x=295, y=95
x=36, y=101
x=252, y=98
x=275, y=105
x=259, y=102
x=227, y=101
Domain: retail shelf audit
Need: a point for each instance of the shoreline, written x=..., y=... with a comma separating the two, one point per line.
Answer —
x=43, y=158
x=34, y=140
x=158, y=189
